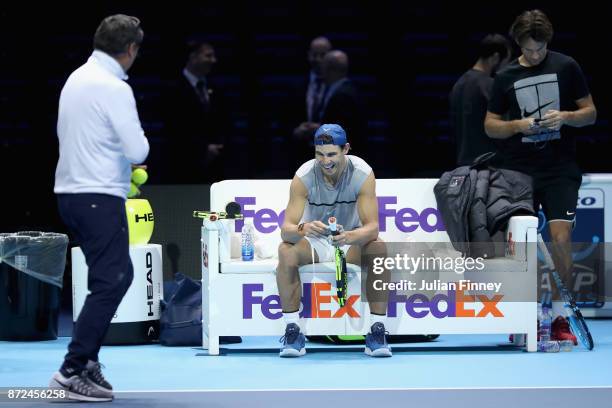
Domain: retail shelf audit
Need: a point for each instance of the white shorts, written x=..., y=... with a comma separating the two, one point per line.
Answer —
x=324, y=249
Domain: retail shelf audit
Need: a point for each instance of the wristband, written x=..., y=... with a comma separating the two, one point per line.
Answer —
x=535, y=124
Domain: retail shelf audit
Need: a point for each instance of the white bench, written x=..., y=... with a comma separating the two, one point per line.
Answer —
x=241, y=298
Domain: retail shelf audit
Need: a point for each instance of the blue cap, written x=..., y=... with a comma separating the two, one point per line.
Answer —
x=336, y=132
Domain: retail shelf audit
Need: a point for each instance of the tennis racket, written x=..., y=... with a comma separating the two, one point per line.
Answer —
x=576, y=320
x=341, y=271
x=232, y=211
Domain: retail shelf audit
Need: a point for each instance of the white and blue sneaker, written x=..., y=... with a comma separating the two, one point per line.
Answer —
x=376, y=341
x=294, y=342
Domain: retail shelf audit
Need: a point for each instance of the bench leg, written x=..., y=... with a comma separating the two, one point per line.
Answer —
x=210, y=342
x=532, y=340
x=213, y=346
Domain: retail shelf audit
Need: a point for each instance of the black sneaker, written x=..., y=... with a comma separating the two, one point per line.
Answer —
x=79, y=387
x=94, y=372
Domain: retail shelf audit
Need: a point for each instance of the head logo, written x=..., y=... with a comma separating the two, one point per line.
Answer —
x=147, y=217
x=149, y=266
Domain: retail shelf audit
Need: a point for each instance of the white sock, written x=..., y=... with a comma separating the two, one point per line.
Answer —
x=558, y=309
x=293, y=317
x=374, y=318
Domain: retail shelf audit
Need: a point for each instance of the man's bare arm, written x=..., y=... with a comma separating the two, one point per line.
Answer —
x=290, y=231
x=294, y=211
x=585, y=115
x=367, y=205
x=498, y=128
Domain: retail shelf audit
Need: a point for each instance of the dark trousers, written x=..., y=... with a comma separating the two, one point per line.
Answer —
x=99, y=225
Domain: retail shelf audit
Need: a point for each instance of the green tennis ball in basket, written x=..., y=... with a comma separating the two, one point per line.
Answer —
x=139, y=176
x=134, y=191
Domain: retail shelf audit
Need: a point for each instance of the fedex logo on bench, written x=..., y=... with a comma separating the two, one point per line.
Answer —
x=316, y=301
x=267, y=220
x=456, y=304
x=317, y=298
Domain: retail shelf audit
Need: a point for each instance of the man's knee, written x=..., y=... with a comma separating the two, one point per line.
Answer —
x=129, y=277
x=287, y=254
x=377, y=246
x=377, y=242
x=124, y=281
x=561, y=235
x=113, y=288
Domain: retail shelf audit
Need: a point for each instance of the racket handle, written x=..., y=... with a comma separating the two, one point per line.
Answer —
x=216, y=215
x=203, y=214
x=331, y=221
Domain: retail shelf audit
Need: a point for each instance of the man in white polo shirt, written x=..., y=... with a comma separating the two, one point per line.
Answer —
x=100, y=138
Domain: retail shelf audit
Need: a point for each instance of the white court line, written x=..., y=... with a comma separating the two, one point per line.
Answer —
x=551, y=387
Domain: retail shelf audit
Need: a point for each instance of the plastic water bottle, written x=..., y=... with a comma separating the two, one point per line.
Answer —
x=247, y=239
x=549, y=346
x=566, y=345
x=545, y=344
x=545, y=320
x=540, y=318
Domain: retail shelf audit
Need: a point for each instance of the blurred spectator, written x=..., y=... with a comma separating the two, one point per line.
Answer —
x=339, y=104
x=195, y=122
x=470, y=97
x=316, y=88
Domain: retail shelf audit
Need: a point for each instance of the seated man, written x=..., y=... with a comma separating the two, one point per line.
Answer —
x=333, y=184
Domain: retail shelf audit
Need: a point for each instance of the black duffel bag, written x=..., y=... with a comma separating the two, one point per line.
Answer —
x=181, y=315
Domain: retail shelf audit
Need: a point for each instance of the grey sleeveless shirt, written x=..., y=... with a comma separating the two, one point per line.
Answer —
x=338, y=201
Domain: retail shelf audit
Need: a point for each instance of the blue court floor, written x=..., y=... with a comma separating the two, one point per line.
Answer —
x=452, y=368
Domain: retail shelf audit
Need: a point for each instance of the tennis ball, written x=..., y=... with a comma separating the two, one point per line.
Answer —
x=134, y=191
x=139, y=176
x=140, y=221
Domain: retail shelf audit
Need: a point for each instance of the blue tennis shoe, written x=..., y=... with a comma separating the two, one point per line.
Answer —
x=376, y=341
x=294, y=342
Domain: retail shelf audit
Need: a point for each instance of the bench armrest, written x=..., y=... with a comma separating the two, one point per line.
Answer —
x=517, y=236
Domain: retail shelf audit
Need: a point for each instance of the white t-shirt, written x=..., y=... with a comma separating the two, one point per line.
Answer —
x=99, y=131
